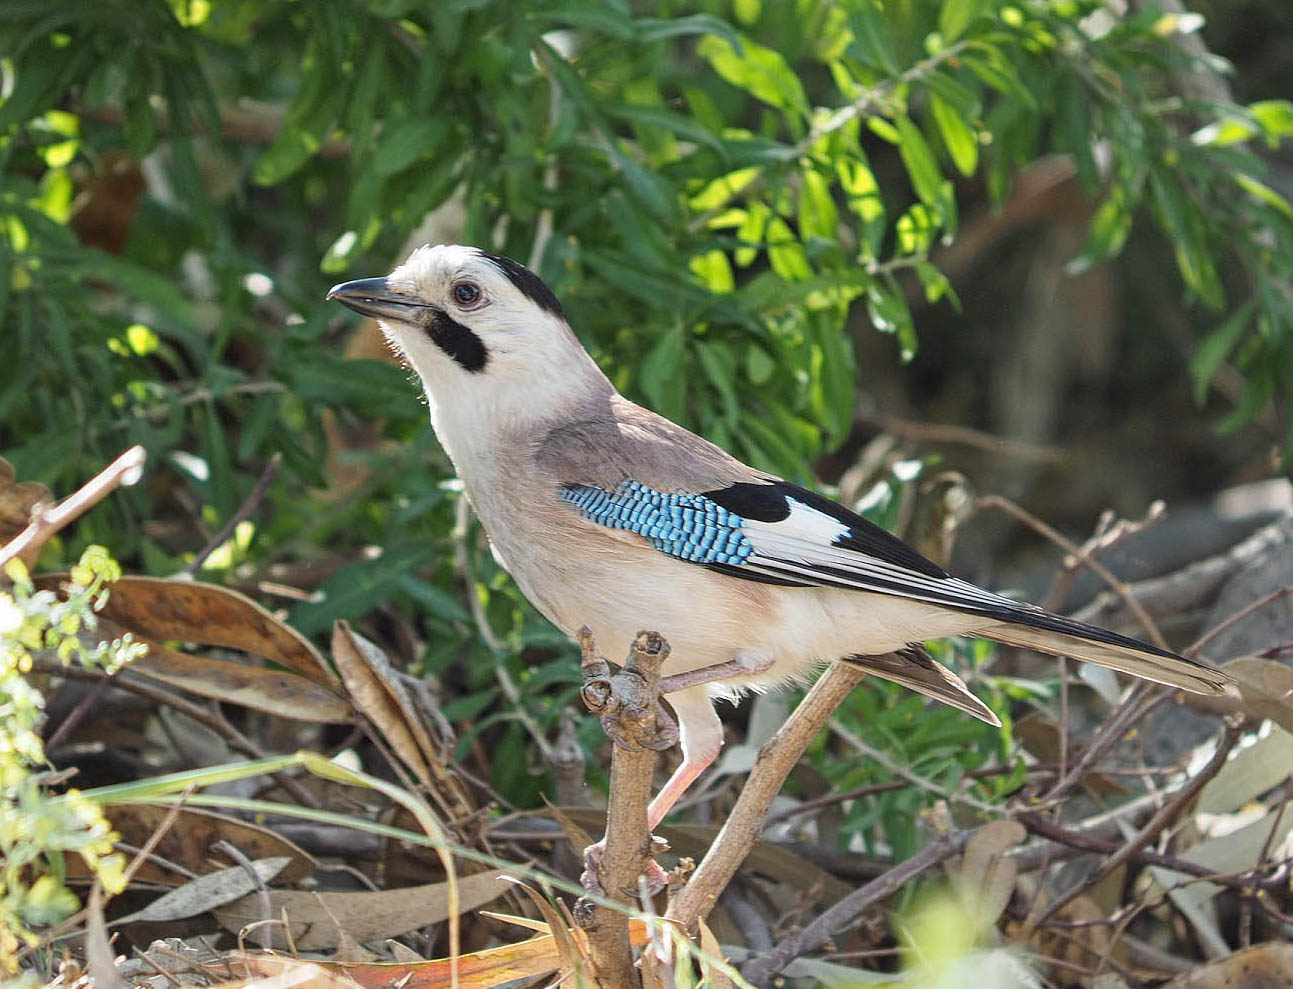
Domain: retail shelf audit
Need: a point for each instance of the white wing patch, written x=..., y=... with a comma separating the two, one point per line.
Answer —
x=802, y=547
x=803, y=523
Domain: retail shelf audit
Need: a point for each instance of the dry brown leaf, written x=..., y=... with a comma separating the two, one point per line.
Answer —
x=1040, y=735
x=215, y=889
x=16, y=502
x=1265, y=966
x=1266, y=688
x=1247, y=773
x=374, y=689
x=187, y=843
x=187, y=611
x=356, y=659
x=709, y=944
x=278, y=692
x=570, y=946
x=366, y=916
x=484, y=969
x=987, y=876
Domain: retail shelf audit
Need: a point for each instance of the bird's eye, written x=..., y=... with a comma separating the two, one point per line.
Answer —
x=466, y=293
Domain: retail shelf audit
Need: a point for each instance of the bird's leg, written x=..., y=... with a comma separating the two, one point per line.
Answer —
x=683, y=777
x=744, y=664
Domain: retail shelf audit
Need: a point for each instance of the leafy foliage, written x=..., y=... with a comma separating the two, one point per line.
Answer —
x=36, y=829
x=711, y=192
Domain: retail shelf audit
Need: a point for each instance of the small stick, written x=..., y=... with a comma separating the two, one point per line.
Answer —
x=126, y=470
x=759, y=971
x=628, y=705
x=249, y=505
x=1164, y=817
x=777, y=758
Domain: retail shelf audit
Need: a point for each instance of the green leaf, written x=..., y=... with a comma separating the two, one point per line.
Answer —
x=761, y=72
x=655, y=29
x=919, y=160
x=1215, y=347
x=670, y=120
x=785, y=253
x=959, y=138
x=714, y=271
x=1110, y=226
x=660, y=371
x=603, y=17
x=357, y=588
x=406, y=140
x=871, y=43
x=889, y=314
x=1264, y=193
x=955, y=16
x=1258, y=390
x=1275, y=118
x=817, y=214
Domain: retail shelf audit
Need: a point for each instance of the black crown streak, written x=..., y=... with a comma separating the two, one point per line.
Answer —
x=527, y=283
x=461, y=344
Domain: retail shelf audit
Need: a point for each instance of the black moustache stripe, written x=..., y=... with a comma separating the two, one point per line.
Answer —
x=462, y=344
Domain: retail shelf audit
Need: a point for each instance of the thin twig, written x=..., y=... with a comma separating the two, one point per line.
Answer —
x=122, y=472
x=1099, y=569
x=760, y=971
x=212, y=719
x=1161, y=819
x=249, y=505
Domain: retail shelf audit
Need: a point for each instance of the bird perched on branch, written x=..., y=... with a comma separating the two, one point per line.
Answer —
x=610, y=516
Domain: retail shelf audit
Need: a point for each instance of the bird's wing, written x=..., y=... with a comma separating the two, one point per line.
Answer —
x=687, y=498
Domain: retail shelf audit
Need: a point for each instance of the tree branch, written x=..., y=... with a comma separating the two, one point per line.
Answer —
x=743, y=826
x=122, y=472
x=628, y=705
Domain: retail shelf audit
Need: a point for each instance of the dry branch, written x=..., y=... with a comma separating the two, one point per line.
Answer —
x=122, y=472
x=628, y=706
x=777, y=758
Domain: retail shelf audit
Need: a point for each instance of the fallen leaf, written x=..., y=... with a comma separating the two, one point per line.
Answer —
x=374, y=689
x=215, y=889
x=1264, y=966
x=278, y=692
x=718, y=979
x=1249, y=772
x=188, y=841
x=187, y=611
x=1266, y=688
x=366, y=916
x=987, y=876
x=16, y=502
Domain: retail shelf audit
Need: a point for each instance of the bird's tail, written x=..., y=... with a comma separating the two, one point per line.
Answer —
x=1031, y=628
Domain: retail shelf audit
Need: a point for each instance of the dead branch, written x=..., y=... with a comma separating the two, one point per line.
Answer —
x=1191, y=586
x=1161, y=819
x=628, y=706
x=776, y=759
x=760, y=971
x=122, y=472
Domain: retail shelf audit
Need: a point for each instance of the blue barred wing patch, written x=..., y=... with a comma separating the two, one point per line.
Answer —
x=690, y=527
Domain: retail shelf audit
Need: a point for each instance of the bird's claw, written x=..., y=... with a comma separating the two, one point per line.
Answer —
x=656, y=878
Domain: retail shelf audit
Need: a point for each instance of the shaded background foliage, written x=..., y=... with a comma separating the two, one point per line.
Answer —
x=730, y=198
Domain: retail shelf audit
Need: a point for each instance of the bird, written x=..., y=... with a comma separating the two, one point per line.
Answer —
x=611, y=517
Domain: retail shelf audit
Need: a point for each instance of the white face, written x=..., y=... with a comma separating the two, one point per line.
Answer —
x=488, y=339
x=454, y=310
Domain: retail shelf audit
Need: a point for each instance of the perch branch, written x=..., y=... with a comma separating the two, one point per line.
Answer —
x=628, y=706
x=777, y=758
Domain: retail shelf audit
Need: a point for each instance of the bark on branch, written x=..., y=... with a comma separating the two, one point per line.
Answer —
x=628, y=706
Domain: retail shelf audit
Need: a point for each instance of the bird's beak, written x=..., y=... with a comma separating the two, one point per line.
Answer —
x=371, y=297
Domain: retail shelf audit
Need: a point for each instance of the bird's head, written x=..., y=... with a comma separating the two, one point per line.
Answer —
x=476, y=327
